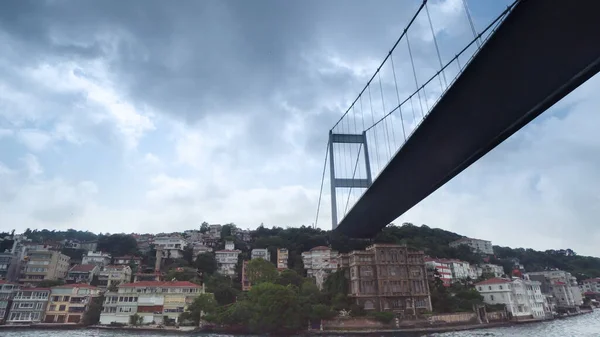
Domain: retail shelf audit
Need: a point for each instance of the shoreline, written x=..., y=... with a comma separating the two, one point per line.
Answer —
x=193, y=330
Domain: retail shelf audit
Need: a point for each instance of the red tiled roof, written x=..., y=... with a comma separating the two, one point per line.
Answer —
x=174, y=284
x=321, y=248
x=85, y=268
x=76, y=285
x=495, y=280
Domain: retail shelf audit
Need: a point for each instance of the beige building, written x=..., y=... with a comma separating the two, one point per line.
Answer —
x=477, y=245
x=44, y=265
x=388, y=277
x=282, y=258
x=68, y=303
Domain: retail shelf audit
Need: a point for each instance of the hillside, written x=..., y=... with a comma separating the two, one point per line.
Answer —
x=433, y=241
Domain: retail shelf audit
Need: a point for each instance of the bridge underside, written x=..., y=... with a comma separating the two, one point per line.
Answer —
x=540, y=53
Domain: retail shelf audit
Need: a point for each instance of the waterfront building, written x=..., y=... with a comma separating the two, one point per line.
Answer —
x=563, y=286
x=82, y=273
x=282, y=258
x=477, y=245
x=151, y=300
x=523, y=298
x=591, y=286
x=7, y=292
x=28, y=306
x=44, y=265
x=6, y=260
x=227, y=259
x=319, y=263
x=69, y=302
x=97, y=258
x=388, y=277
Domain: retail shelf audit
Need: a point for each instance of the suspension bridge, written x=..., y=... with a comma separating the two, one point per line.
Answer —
x=395, y=145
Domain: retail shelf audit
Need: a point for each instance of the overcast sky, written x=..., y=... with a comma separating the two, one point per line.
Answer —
x=151, y=116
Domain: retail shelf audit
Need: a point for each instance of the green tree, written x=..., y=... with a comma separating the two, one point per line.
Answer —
x=290, y=276
x=275, y=308
x=321, y=311
x=181, y=274
x=92, y=315
x=118, y=245
x=222, y=288
x=204, y=227
x=113, y=287
x=204, y=304
x=136, y=320
x=259, y=271
x=206, y=263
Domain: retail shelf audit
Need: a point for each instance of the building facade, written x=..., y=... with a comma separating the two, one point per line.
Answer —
x=97, y=258
x=523, y=298
x=492, y=269
x=591, y=286
x=477, y=245
x=388, y=277
x=563, y=287
x=172, y=245
x=262, y=253
x=28, y=306
x=319, y=263
x=150, y=299
x=282, y=258
x=444, y=272
x=44, y=265
x=69, y=302
x=114, y=275
x=227, y=259
x=5, y=262
x=7, y=291
x=82, y=273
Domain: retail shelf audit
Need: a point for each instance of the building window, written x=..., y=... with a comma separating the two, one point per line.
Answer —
x=492, y=297
x=500, y=287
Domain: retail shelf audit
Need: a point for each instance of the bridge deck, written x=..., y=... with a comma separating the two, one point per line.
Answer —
x=541, y=52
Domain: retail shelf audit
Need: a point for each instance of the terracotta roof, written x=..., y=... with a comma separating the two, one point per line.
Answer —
x=495, y=280
x=85, y=268
x=321, y=248
x=174, y=284
x=76, y=285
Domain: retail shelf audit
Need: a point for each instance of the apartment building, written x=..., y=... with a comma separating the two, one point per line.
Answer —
x=28, y=306
x=150, y=299
x=260, y=253
x=388, y=277
x=477, y=245
x=227, y=259
x=96, y=258
x=591, y=286
x=492, y=269
x=319, y=263
x=114, y=275
x=7, y=291
x=69, y=302
x=199, y=248
x=562, y=286
x=282, y=258
x=215, y=231
x=442, y=266
x=172, y=246
x=44, y=265
x=523, y=298
x=6, y=260
x=82, y=273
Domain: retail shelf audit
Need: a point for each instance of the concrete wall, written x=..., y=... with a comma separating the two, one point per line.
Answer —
x=106, y=319
x=356, y=323
x=459, y=317
x=496, y=316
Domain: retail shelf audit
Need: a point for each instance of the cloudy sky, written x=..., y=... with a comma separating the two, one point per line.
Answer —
x=146, y=116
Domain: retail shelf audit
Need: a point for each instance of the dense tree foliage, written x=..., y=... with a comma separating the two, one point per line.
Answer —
x=206, y=263
x=260, y=271
x=118, y=244
x=92, y=314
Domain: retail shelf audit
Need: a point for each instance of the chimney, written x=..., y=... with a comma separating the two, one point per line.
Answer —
x=159, y=254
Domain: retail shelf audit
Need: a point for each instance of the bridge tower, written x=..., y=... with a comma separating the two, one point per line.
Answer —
x=364, y=183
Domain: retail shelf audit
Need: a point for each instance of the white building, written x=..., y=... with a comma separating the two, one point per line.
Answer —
x=523, y=298
x=114, y=274
x=199, y=248
x=172, y=246
x=442, y=267
x=475, y=272
x=563, y=286
x=477, y=245
x=282, y=258
x=260, y=253
x=590, y=285
x=319, y=262
x=227, y=259
x=99, y=259
x=496, y=270
x=152, y=300
x=460, y=269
